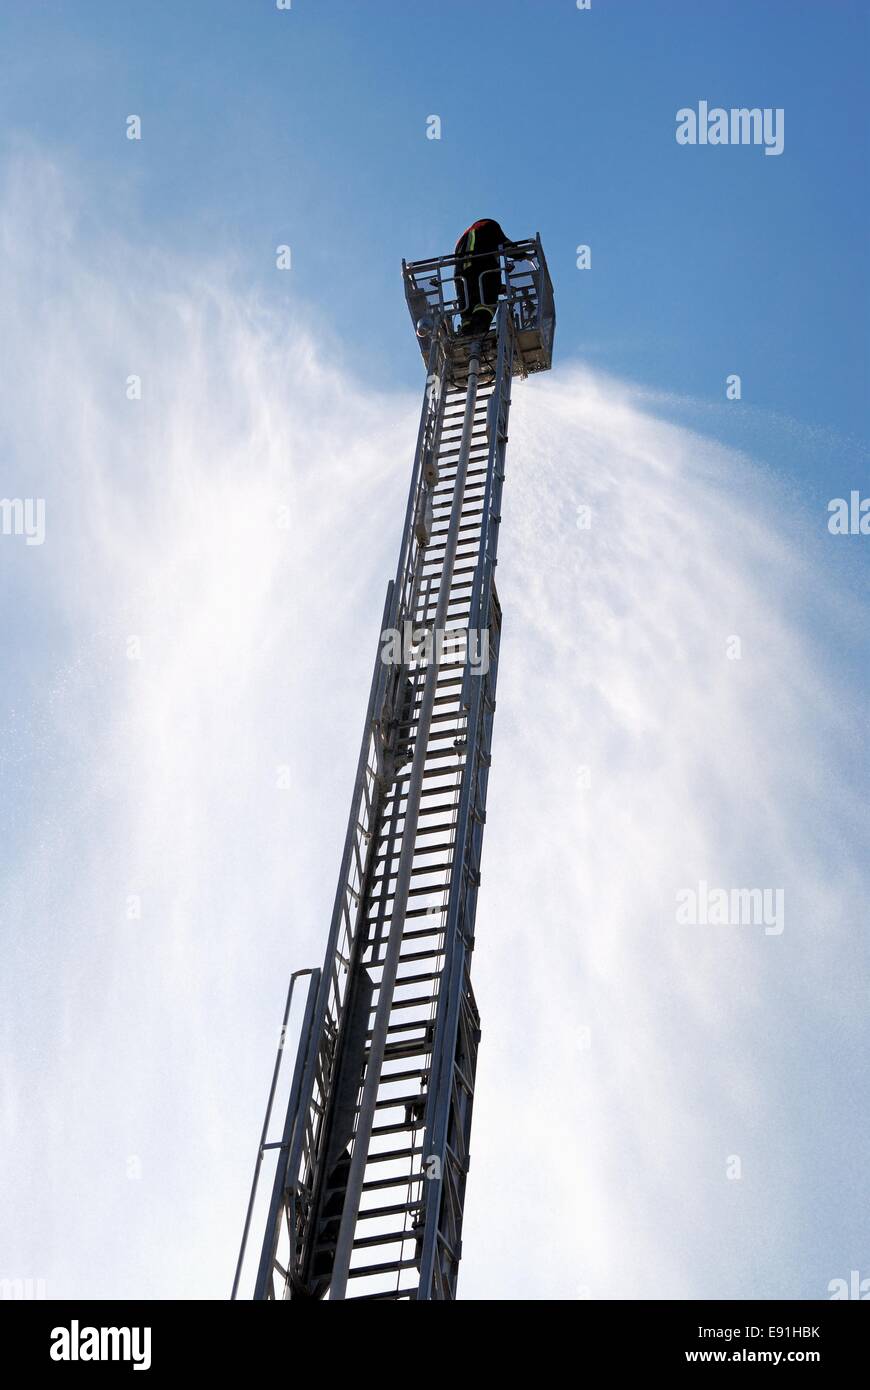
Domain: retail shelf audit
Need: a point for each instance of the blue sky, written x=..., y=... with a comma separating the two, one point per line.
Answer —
x=308, y=127
x=141, y=1050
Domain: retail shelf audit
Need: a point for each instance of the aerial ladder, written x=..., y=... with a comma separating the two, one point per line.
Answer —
x=369, y=1185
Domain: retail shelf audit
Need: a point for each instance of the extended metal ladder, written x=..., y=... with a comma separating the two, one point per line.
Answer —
x=368, y=1192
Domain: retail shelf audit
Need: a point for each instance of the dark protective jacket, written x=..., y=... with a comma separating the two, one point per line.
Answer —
x=482, y=236
x=477, y=270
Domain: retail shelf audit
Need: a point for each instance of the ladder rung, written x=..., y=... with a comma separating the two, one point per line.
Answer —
x=381, y=1184
x=435, y=772
x=419, y=850
x=395, y=1101
x=414, y=955
x=404, y=1027
x=402, y=1051
x=421, y=979
x=394, y=1295
x=443, y=866
x=390, y=1129
x=418, y=1001
x=388, y=1155
x=391, y=1238
x=408, y=1075
x=397, y=1209
x=393, y=1267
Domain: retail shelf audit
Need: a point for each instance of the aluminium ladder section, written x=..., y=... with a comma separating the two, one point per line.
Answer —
x=403, y=1241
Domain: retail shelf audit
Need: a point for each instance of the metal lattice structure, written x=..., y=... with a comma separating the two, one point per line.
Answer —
x=369, y=1189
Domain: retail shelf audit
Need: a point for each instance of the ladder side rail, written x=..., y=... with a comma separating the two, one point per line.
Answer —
x=448, y=1177
x=279, y=1058
x=428, y=435
x=495, y=472
x=290, y=1148
x=428, y=444
x=332, y=989
x=346, y=914
x=455, y=945
x=389, y=965
x=346, y=945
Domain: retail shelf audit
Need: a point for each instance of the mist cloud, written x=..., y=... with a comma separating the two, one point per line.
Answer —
x=202, y=616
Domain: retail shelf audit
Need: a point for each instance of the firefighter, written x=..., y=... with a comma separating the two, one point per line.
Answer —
x=478, y=277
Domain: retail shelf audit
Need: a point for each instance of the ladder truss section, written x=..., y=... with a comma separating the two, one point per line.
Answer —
x=369, y=1189
x=403, y=1233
